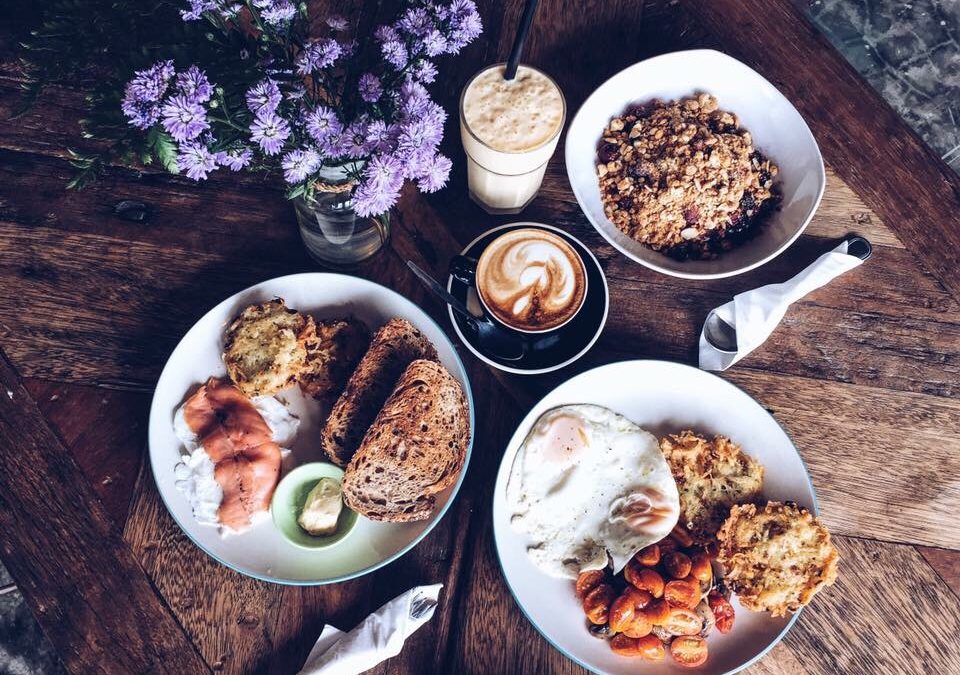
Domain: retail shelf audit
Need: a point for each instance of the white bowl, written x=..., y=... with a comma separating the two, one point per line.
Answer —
x=777, y=129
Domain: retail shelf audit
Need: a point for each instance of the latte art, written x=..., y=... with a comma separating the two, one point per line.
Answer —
x=531, y=280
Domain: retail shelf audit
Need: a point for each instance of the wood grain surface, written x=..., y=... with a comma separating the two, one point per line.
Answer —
x=863, y=374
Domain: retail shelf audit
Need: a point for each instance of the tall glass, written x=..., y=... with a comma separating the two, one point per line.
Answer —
x=509, y=130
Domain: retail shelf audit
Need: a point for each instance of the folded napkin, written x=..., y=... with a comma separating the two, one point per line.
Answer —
x=754, y=314
x=377, y=638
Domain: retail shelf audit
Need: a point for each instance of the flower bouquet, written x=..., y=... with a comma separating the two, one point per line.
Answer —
x=347, y=123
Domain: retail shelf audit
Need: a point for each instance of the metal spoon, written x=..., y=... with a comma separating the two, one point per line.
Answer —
x=723, y=337
x=490, y=337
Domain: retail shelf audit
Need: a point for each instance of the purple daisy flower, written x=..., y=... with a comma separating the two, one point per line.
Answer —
x=197, y=8
x=151, y=84
x=380, y=188
x=434, y=174
x=264, y=97
x=298, y=164
x=193, y=84
x=196, y=160
x=337, y=22
x=395, y=53
x=276, y=12
x=465, y=25
x=141, y=114
x=318, y=54
x=425, y=72
x=379, y=136
x=370, y=87
x=414, y=99
x=269, y=131
x=184, y=119
x=355, y=140
x=416, y=21
x=335, y=144
x=321, y=123
x=434, y=43
x=386, y=34
x=235, y=160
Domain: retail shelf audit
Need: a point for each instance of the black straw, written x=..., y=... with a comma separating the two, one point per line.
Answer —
x=525, y=22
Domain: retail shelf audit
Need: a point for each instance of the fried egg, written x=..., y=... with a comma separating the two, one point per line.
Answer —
x=587, y=486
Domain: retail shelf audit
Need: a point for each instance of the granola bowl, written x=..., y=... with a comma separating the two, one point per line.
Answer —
x=771, y=132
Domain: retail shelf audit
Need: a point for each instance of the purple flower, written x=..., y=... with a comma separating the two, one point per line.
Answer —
x=197, y=7
x=337, y=22
x=334, y=145
x=193, y=84
x=276, y=12
x=380, y=187
x=379, y=136
x=386, y=34
x=416, y=22
x=151, y=84
x=321, y=123
x=465, y=25
x=424, y=72
x=263, y=97
x=434, y=43
x=395, y=53
x=269, y=131
x=184, y=119
x=414, y=99
x=434, y=174
x=355, y=140
x=318, y=54
x=370, y=87
x=298, y=164
x=141, y=114
x=196, y=160
x=235, y=159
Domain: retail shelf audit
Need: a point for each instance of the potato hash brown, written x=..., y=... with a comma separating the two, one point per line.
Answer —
x=777, y=557
x=712, y=476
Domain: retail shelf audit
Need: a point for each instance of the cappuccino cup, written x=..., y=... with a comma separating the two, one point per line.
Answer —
x=529, y=280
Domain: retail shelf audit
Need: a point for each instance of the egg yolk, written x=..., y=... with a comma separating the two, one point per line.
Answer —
x=565, y=439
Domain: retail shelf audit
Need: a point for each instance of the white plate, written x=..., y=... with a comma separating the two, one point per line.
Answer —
x=663, y=398
x=778, y=131
x=262, y=552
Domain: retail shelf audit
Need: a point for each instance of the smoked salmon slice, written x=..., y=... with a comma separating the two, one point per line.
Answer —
x=240, y=444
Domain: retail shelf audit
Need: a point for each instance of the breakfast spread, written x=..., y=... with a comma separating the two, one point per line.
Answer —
x=399, y=423
x=683, y=177
x=586, y=483
x=659, y=535
x=531, y=279
x=322, y=507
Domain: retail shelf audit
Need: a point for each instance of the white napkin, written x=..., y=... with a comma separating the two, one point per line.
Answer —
x=754, y=314
x=377, y=638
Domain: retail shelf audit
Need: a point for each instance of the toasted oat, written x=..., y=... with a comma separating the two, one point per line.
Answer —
x=683, y=177
x=776, y=558
x=711, y=476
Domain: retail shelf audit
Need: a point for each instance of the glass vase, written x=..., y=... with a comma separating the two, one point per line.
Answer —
x=332, y=232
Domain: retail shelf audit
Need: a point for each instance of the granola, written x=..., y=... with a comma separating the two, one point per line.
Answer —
x=684, y=178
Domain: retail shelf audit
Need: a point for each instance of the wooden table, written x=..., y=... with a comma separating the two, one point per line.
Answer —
x=864, y=374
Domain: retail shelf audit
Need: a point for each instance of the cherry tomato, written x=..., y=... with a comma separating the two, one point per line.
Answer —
x=596, y=604
x=701, y=568
x=657, y=612
x=683, y=621
x=722, y=611
x=668, y=545
x=644, y=578
x=651, y=648
x=587, y=581
x=639, y=627
x=677, y=564
x=624, y=646
x=689, y=651
x=649, y=556
x=683, y=592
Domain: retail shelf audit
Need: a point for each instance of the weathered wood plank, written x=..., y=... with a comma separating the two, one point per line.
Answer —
x=68, y=558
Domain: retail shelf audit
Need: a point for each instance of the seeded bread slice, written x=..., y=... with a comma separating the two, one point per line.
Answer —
x=266, y=347
x=332, y=357
x=391, y=350
x=414, y=449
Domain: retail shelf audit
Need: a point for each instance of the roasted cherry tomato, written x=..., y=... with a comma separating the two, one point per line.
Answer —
x=701, y=568
x=651, y=648
x=587, y=581
x=626, y=607
x=683, y=621
x=689, y=651
x=596, y=604
x=682, y=592
x=625, y=646
x=644, y=578
x=722, y=611
x=677, y=564
x=657, y=612
x=667, y=545
x=649, y=556
x=639, y=627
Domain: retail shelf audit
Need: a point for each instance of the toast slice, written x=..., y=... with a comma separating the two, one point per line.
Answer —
x=332, y=357
x=391, y=350
x=266, y=347
x=414, y=449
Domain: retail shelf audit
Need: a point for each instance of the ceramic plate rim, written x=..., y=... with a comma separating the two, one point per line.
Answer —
x=577, y=193
x=154, y=404
x=548, y=369
x=815, y=507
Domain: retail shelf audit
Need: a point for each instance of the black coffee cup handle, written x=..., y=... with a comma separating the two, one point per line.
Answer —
x=464, y=269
